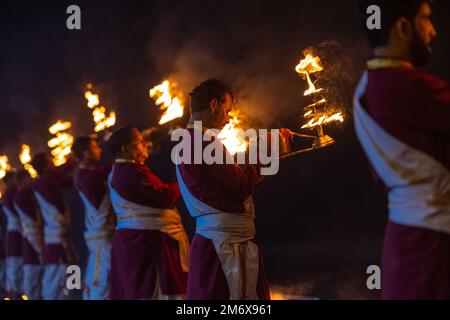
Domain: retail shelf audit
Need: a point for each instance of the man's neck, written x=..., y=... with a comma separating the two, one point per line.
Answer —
x=389, y=53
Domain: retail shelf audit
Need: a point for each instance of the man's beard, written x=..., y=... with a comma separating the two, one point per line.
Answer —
x=420, y=52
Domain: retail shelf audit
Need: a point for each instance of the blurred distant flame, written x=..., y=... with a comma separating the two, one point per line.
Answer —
x=101, y=120
x=61, y=143
x=169, y=100
x=4, y=165
x=25, y=159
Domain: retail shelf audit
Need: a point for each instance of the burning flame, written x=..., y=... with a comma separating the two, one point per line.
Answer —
x=101, y=120
x=25, y=159
x=306, y=67
x=311, y=64
x=230, y=136
x=170, y=104
x=324, y=119
x=61, y=143
x=59, y=126
x=4, y=166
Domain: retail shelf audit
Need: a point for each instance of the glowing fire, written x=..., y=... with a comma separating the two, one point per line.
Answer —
x=25, y=159
x=306, y=67
x=230, y=137
x=169, y=102
x=4, y=166
x=61, y=143
x=311, y=64
x=324, y=119
x=101, y=120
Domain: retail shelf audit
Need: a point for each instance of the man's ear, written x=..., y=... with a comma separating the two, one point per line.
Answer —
x=404, y=29
x=213, y=105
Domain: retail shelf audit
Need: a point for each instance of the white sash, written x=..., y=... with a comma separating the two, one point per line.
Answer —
x=131, y=215
x=419, y=186
x=12, y=220
x=31, y=230
x=55, y=223
x=96, y=220
x=231, y=234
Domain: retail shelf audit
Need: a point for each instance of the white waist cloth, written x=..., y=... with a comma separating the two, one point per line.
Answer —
x=55, y=223
x=419, y=185
x=97, y=221
x=231, y=235
x=131, y=215
x=12, y=220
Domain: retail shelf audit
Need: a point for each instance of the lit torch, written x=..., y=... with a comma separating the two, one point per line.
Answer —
x=230, y=136
x=169, y=99
x=309, y=65
x=61, y=143
x=101, y=120
x=4, y=166
x=25, y=159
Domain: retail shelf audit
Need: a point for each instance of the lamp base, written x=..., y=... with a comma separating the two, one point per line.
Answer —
x=323, y=141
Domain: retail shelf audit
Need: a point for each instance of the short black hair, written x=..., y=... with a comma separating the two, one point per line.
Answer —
x=206, y=91
x=391, y=11
x=39, y=162
x=119, y=138
x=80, y=146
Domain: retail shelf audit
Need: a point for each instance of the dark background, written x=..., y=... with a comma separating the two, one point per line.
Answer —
x=321, y=219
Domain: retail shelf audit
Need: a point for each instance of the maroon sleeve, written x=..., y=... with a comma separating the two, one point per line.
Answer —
x=153, y=191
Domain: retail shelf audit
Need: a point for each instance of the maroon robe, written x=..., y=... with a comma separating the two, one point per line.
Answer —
x=50, y=186
x=224, y=187
x=414, y=107
x=13, y=247
x=25, y=200
x=138, y=256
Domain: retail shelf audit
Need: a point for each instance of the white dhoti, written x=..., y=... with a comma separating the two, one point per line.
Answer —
x=32, y=276
x=14, y=280
x=55, y=233
x=97, y=269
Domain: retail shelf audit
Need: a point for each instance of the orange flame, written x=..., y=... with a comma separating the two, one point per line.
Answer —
x=169, y=102
x=230, y=136
x=307, y=66
x=324, y=119
x=4, y=166
x=25, y=159
x=61, y=143
x=311, y=64
x=101, y=120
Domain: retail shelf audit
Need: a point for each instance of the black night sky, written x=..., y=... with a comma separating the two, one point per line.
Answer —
x=320, y=220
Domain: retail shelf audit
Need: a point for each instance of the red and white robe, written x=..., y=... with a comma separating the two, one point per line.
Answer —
x=2, y=257
x=99, y=224
x=226, y=263
x=150, y=248
x=13, y=249
x=32, y=241
x=58, y=251
x=402, y=119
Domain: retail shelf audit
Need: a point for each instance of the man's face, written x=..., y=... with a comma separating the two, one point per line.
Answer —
x=220, y=115
x=137, y=148
x=423, y=36
x=93, y=152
